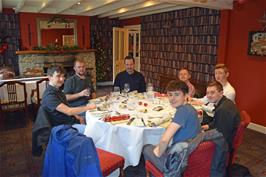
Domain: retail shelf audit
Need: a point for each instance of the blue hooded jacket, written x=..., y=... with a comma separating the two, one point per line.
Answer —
x=70, y=154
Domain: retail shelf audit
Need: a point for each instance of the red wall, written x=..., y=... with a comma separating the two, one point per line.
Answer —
x=29, y=21
x=49, y=35
x=247, y=73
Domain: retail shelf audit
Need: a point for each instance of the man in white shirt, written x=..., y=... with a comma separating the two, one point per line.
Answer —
x=221, y=74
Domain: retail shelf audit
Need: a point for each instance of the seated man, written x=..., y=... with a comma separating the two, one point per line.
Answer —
x=134, y=78
x=221, y=75
x=226, y=117
x=78, y=88
x=184, y=75
x=54, y=101
x=185, y=124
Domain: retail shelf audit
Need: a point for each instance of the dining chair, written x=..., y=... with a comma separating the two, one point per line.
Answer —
x=238, y=139
x=199, y=162
x=109, y=162
x=36, y=94
x=13, y=98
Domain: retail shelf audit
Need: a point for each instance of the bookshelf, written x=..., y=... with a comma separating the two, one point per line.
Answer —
x=9, y=26
x=186, y=38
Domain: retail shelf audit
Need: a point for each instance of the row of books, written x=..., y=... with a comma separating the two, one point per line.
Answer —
x=176, y=57
x=199, y=30
x=159, y=65
x=8, y=17
x=195, y=49
x=185, y=13
x=187, y=22
x=189, y=39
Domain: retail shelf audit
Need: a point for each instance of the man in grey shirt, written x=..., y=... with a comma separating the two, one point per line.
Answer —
x=79, y=88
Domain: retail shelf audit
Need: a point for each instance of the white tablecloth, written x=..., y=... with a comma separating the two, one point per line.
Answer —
x=124, y=140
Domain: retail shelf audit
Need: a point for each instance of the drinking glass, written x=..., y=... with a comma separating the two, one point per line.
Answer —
x=116, y=89
x=89, y=91
x=149, y=87
x=126, y=87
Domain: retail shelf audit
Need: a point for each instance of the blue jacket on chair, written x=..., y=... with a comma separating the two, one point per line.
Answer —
x=70, y=154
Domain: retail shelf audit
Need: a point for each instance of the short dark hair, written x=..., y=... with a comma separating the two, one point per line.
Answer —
x=53, y=69
x=216, y=84
x=129, y=57
x=177, y=85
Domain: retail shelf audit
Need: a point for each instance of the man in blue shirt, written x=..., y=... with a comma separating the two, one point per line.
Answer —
x=185, y=124
x=134, y=78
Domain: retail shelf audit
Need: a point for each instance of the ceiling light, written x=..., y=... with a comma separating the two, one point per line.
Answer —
x=122, y=10
x=78, y=3
x=149, y=3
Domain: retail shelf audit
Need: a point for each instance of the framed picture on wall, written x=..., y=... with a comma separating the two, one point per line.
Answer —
x=257, y=43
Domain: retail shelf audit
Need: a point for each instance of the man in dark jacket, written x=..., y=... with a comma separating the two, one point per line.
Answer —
x=226, y=115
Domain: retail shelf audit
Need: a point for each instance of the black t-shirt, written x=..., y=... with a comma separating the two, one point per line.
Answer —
x=51, y=98
x=135, y=80
x=75, y=84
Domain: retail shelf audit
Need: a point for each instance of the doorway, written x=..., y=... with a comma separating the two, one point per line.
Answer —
x=126, y=41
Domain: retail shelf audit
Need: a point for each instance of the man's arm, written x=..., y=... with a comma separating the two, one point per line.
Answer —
x=70, y=111
x=165, y=139
x=74, y=96
x=142, y=84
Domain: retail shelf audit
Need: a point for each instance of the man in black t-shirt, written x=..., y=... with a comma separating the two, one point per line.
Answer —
x=54, y=101
x=134, y=78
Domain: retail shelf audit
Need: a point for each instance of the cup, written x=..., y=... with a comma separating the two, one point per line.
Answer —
x=88, y=91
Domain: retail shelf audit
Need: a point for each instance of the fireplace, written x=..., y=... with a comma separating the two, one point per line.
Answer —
x=36, y=63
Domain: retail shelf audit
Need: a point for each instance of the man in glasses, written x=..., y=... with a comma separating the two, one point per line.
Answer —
x=185, y=124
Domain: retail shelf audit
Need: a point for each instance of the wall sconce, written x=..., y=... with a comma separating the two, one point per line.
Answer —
x=263, y=21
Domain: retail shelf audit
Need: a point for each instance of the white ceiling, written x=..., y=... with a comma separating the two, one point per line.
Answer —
x=122, y=9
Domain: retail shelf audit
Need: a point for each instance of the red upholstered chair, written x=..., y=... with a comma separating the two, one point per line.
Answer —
x=245, y=120
x=199, y=162
x=109, y=162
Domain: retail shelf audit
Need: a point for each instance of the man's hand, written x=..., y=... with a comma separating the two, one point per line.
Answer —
x=81, y=119
x=205, y=127
x=84, y=92
x=156, y=151
x=91, y=106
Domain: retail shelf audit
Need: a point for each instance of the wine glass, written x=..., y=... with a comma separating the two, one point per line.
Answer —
x=126, y=88
x=149, y=87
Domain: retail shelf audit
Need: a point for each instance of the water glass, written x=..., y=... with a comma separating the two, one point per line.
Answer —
x=149, y=87
x=126, y=87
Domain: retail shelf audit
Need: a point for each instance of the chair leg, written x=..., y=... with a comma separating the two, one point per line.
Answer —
x=121, y=172
x=148, y=173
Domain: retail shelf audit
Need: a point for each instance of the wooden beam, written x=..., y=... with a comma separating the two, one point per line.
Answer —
x=66, y=5
x=19, y=6
x=110, y=7
x=217, y=4
x=144, y=10
x=154, y=12
x=130, y=8
x=44, y=5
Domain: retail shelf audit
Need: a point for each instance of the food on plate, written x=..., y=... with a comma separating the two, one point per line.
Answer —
x=140, y=103
x=116, y=118
x=123, y=106
x=157, y=108
x=144, y=110
x=145, y=104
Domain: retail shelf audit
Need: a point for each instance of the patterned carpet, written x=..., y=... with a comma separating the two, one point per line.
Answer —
x=16, y=159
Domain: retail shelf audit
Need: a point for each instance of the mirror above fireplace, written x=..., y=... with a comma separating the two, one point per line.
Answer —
x=56, y=31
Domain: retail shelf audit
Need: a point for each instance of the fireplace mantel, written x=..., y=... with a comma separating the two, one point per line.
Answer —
x=23, y=52
x=36, y=62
